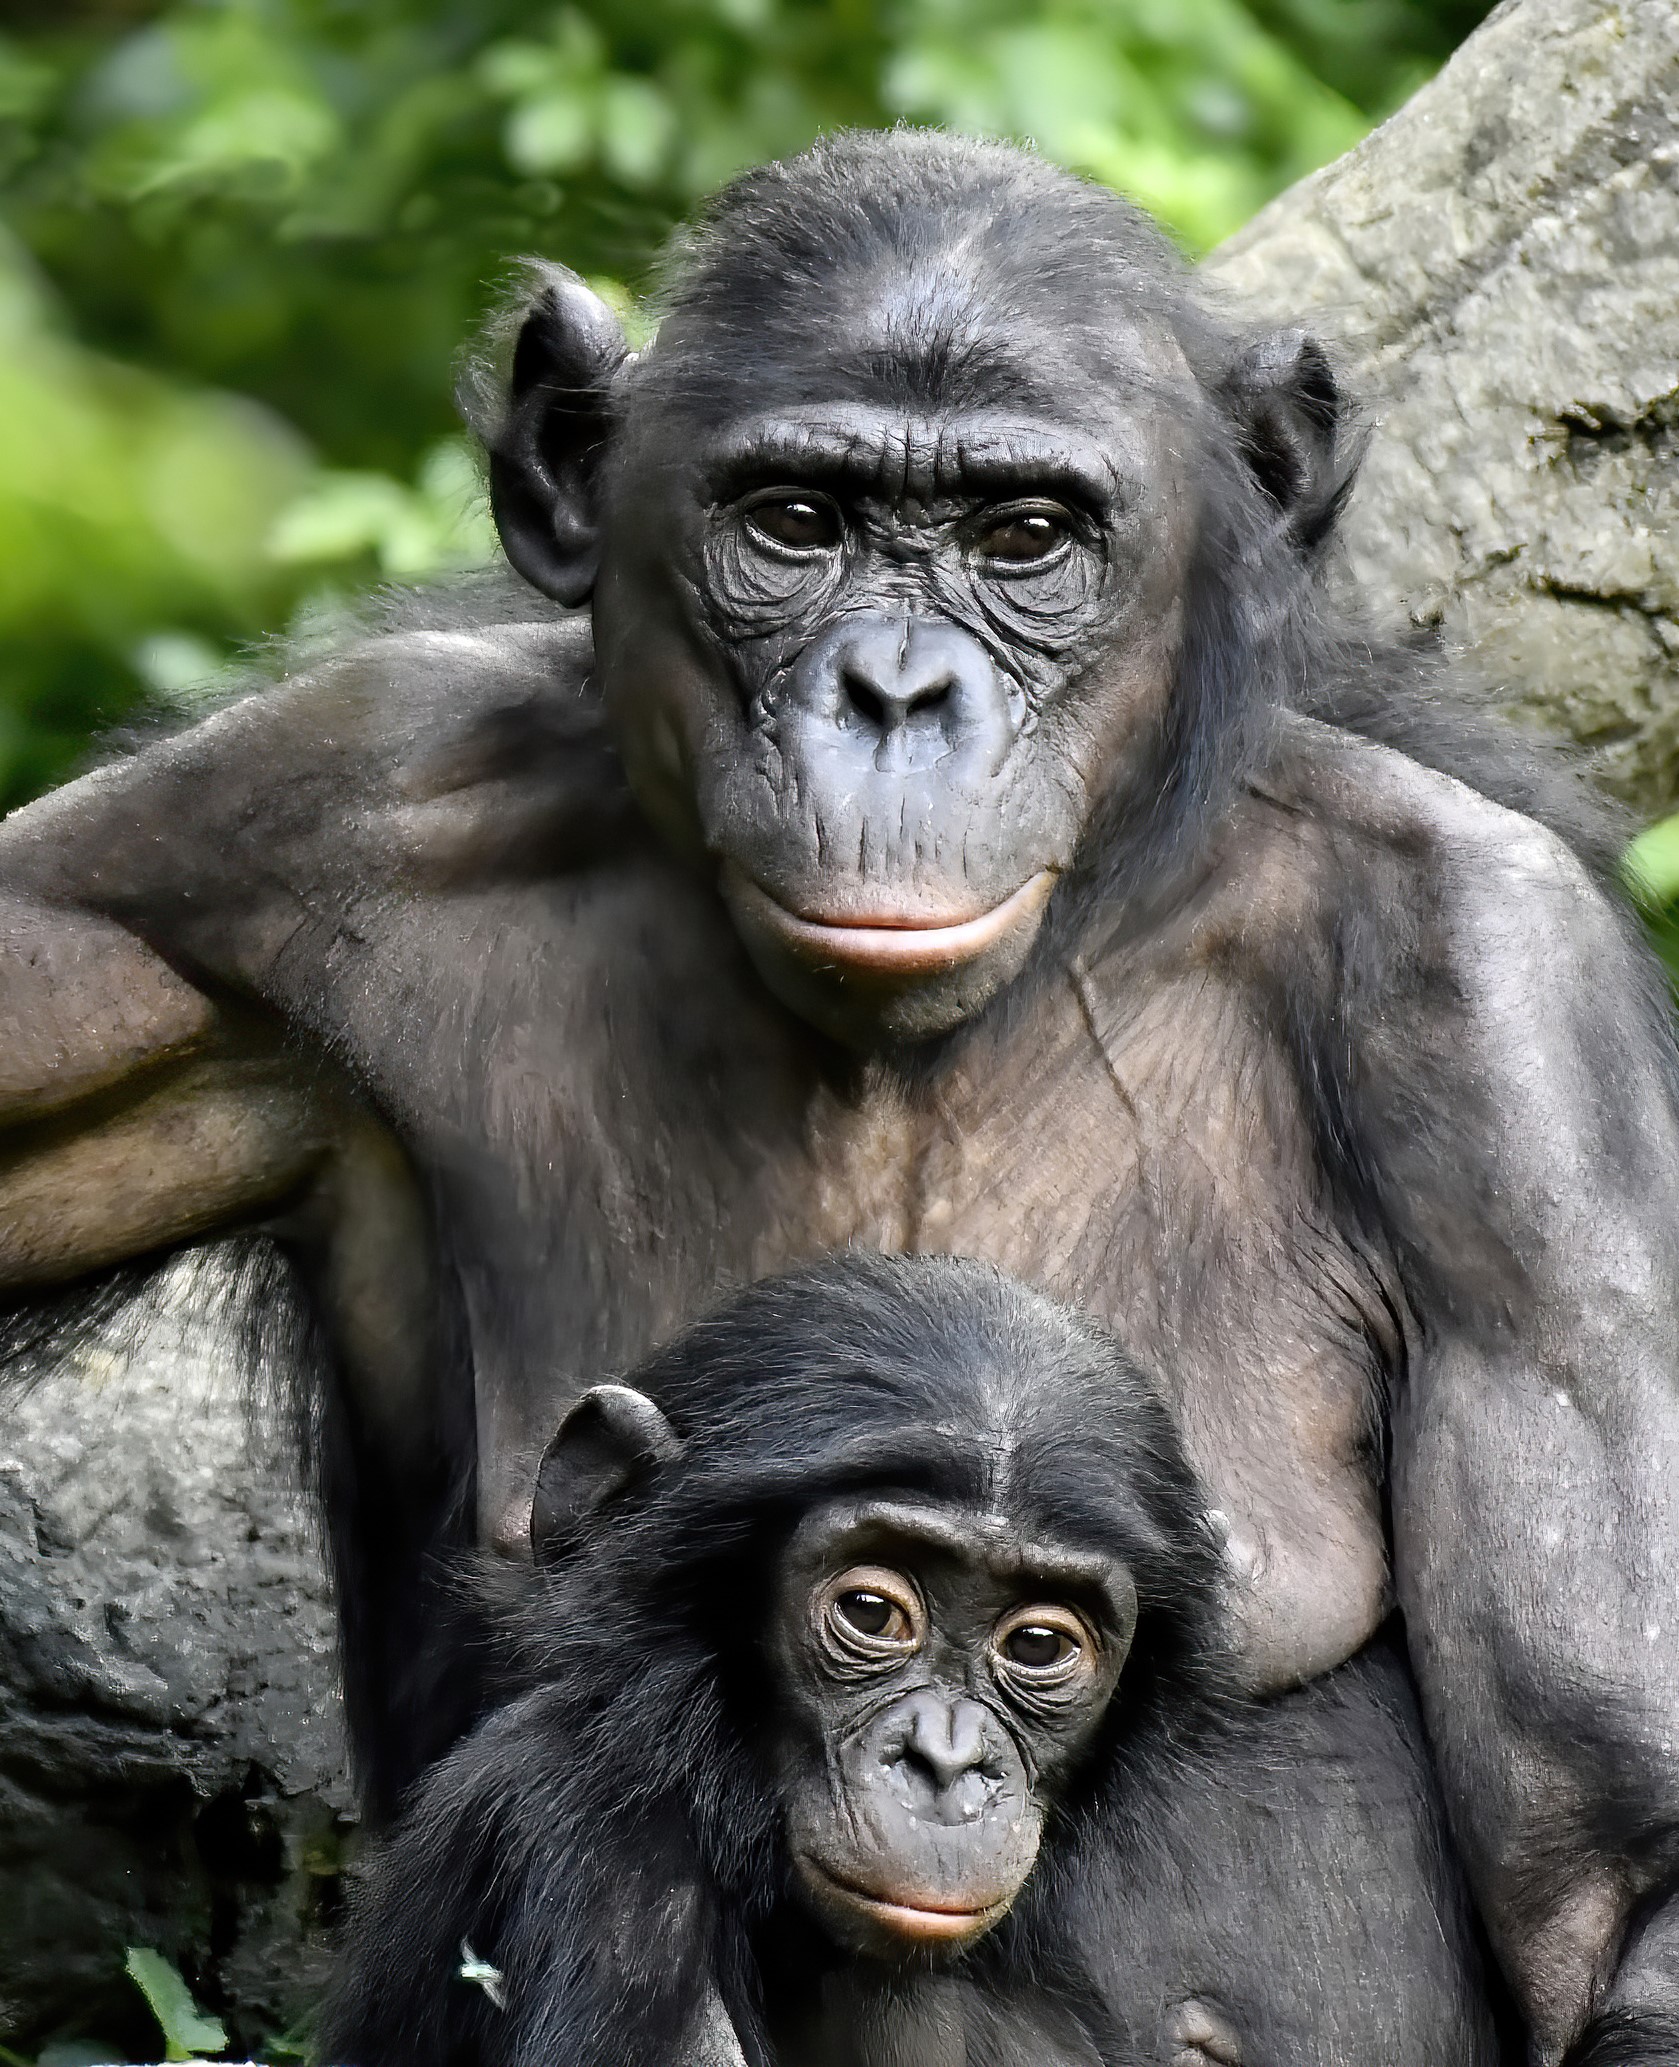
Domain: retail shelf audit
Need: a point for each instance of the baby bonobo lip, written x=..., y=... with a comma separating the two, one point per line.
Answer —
x=893, y=945
x=914, y=1922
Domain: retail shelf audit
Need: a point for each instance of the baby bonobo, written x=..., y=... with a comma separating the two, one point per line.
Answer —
x=864, y=1711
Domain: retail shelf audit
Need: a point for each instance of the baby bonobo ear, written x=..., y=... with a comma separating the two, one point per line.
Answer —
x=1289, y=421
x=546, y=449
x=611, y=1438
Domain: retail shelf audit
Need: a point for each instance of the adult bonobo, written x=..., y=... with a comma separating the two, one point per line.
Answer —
x=957, y=826
x=866, y=1711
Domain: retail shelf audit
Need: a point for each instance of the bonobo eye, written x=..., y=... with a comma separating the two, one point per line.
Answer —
x=873, y=1613
x=1044, y=1646
x=870, y=1614
x=1036, y=1645
x=791, y=522
x=1023, y=538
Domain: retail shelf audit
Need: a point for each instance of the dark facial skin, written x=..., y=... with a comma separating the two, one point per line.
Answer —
x=882, y=676
x=940, y=1679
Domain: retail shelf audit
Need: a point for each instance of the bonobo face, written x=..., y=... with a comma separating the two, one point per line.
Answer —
x=939, y=1679
x=894, y=536
x=877, y=663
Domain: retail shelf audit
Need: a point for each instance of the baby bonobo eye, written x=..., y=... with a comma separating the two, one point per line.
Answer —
x=1023, y=537
x=792, y=522
x=871, y=1613
x=1046, y=1647
x=1036, y=1645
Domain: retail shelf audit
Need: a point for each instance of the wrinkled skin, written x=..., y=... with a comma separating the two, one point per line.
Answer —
x=870, y=731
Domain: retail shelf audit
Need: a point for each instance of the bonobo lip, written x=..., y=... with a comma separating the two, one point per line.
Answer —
x=892, y=945
x=912, y=1921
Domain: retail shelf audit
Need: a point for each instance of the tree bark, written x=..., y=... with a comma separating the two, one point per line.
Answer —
x=1499, y=265
x=171, y=1753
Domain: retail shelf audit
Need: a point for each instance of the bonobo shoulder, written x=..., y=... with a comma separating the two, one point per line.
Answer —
x=1454, y=915
x=1437, y=839
x=421, y=712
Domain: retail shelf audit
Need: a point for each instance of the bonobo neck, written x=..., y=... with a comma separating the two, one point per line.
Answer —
x=860, y=2014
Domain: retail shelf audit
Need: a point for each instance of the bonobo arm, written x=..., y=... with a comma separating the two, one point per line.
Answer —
x=1513, y=1082
x=170, y=931
x=130, y=1118
x=149, y=1098
x=187, y=939
x=511, y=1919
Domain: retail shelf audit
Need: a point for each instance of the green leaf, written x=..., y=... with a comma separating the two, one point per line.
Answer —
x=338, y=516
x=554, y=132
x=188, y=2034
x=1651, y=863
x=638, y=128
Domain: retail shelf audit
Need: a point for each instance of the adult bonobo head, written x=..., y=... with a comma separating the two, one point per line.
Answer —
x=924, y=544
x=878, y=1557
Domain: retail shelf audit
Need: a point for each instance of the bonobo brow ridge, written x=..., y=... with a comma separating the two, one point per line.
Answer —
x=882, y=451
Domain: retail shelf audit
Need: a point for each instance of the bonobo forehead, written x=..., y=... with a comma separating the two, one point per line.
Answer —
x=917, y=269
x=998, y=370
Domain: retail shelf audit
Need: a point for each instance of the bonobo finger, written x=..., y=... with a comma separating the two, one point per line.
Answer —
x=83, y=1005
x=215, y=1142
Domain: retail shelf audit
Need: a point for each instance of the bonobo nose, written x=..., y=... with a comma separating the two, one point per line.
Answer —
x=944, y=1754
x=889, y=674
x=908, y=689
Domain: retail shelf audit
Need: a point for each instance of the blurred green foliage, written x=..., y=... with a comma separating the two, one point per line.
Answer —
x=1651, y=870
x=305, y=204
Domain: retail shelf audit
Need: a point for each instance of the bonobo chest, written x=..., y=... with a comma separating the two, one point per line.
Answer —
x=1140, y=1152
x=636, y=1127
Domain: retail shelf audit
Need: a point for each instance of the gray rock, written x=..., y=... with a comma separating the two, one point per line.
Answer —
x=1500, y=266
x=171, y=1753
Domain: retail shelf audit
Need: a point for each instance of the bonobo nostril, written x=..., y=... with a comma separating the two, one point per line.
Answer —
x=889, y=698
x=863, y=697
x=946, y=1741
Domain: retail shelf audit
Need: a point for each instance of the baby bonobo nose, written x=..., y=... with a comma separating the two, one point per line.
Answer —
x=945, y=1744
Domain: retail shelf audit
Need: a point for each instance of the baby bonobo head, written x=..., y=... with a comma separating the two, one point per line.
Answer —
x=916, y=1542
x=940, y=1673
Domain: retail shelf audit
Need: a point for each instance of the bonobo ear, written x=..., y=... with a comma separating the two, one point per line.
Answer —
x=1288, y=415
x=612, y=1437
x=544, y=453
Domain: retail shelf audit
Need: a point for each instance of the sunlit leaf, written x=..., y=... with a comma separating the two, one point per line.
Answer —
x=638, y=127
x=189, y=2034
x=1652, y=863
x=551, y=132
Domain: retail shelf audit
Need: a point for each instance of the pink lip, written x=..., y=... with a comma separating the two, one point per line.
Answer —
x=914, y=1920
x=893, y=945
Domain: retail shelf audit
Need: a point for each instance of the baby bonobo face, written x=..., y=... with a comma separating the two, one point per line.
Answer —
x=940, y=1677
